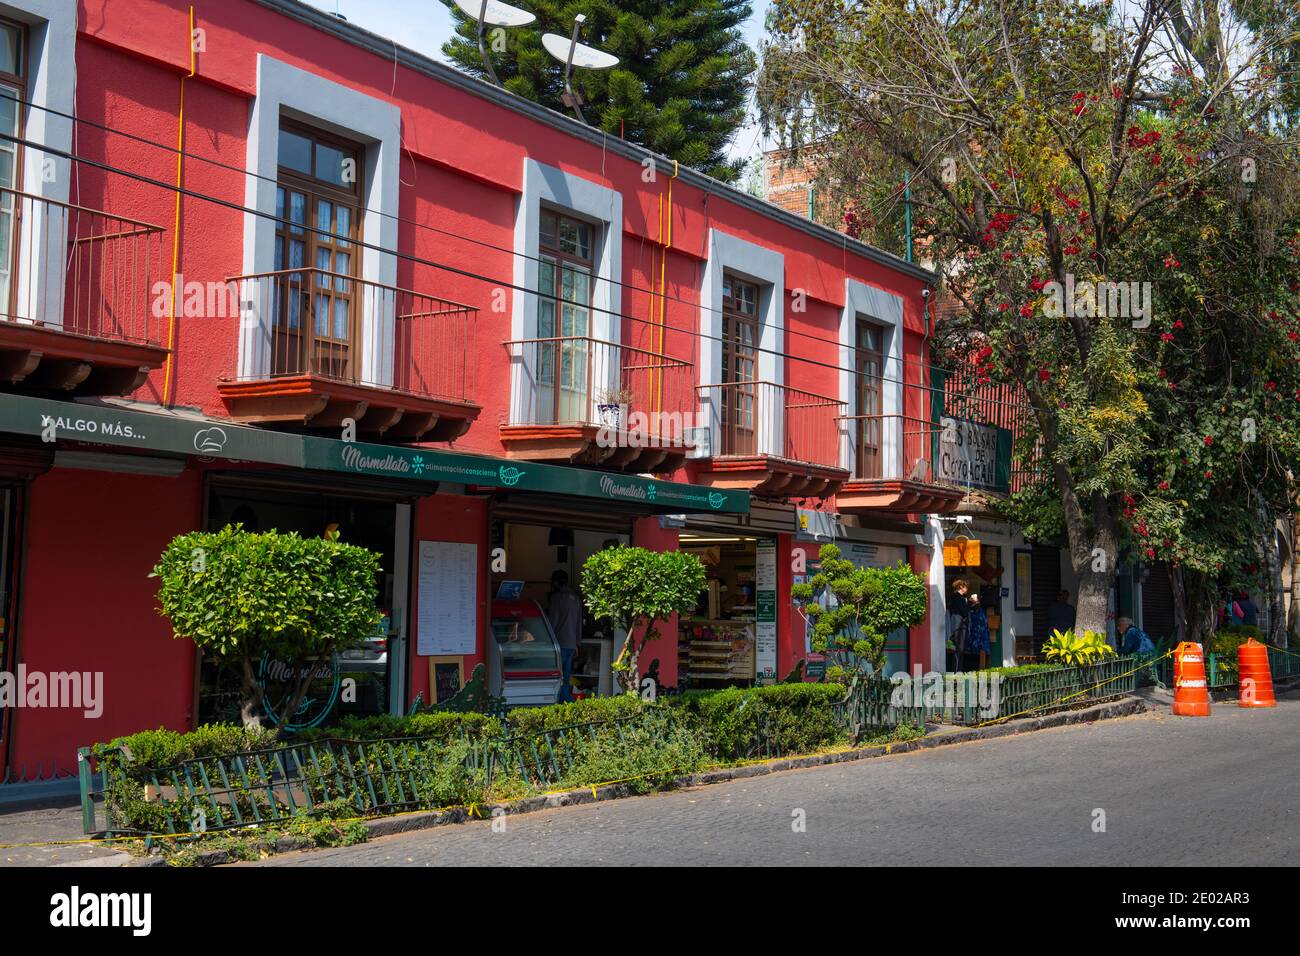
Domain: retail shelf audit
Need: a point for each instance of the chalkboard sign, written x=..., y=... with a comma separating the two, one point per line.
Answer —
x=446, y=677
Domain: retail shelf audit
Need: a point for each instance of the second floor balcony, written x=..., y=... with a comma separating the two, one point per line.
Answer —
x=771, y=439
x=321, y=348
x=895, y=466
x=581, y=400
x=77, y=306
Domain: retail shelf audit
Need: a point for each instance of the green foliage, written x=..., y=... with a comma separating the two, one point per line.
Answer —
x=680, y=87
x=642, y=754
x=472, y=726
x=796, y=718
x=854, y=609
x=240, y=595
x=535, y=720
x=1077, y=649
x=635, y=587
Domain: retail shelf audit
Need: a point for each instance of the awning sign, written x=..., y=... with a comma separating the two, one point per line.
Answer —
x=185, y=433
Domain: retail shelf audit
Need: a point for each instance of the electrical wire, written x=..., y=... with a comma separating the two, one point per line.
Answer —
x=442, y=266
x=628, y=286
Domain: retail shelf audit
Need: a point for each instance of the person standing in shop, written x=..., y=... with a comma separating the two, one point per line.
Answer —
x=565, y=612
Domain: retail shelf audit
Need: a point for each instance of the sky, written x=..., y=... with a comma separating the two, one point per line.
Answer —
x=424, y=25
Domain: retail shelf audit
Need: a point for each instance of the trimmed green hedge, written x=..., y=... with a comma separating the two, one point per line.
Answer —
x=798, y=718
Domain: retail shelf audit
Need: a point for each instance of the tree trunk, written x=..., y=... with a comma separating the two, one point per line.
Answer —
x=1293, y=629
x=250, y=709
x=1094, y=554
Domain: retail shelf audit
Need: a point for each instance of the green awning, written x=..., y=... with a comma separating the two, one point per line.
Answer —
x=150, y=428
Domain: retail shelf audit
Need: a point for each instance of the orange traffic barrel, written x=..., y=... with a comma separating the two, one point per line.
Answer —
x=1191, y=695
x=1256, y=678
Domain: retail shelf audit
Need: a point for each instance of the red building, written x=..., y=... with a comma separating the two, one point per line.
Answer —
x=402, y=298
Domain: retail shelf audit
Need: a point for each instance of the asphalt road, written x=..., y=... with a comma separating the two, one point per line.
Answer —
x=1175, y=791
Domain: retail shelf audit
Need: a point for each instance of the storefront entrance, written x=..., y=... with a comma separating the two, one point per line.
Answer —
x=730, y=640
x=525, y=664
x=984, y=580
x=363, y=681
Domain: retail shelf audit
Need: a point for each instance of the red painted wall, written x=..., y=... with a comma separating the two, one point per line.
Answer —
x=646, y=533
x=447, y=518
x=88, y=604
x=461, y=168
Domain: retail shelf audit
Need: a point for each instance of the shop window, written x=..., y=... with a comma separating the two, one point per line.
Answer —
x=564, y=285
x=317, y=202
x=739, y=395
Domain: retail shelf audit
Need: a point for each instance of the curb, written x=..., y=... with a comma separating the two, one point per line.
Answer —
x=425, y=820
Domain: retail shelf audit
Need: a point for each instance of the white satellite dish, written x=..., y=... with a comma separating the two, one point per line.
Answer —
x=495, y=13
x=587, y=57
x=572, y=53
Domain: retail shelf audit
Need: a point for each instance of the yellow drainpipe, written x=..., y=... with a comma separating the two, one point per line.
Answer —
x=176, y=220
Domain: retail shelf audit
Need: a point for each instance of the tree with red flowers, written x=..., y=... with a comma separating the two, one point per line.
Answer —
x=1109, y=190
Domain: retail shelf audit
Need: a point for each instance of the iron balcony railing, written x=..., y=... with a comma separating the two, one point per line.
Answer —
x=351, y=330
x=580, y=380
x=80, y=271
x=765, y=418
x=892, y=448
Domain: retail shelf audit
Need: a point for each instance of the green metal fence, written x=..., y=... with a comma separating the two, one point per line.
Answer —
x=876, y=703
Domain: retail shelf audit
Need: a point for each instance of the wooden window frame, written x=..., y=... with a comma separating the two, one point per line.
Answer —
x=737, y=439
x=318, y=354
x=559, y=258
x=19, y=81
x=869, y=433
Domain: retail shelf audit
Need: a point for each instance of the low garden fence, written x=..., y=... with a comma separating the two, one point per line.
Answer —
x=358, y=777
x=876, y=703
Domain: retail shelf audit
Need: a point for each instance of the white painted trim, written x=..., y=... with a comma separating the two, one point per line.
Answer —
x=886, y=309
x=552, y=186
x=51, y=48
x=747, y=260
x=376, y=124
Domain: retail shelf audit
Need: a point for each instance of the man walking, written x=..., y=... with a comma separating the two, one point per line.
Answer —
x=565, y=611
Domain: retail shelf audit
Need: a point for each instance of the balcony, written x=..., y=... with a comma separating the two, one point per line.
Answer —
x=75, y=298
x=321, y=348
x=579, y=400
x=771, y=440
x=891, y=459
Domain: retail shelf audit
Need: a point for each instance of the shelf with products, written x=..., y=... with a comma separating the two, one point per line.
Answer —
x=716, y=649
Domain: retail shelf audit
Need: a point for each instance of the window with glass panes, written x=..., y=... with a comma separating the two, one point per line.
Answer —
x=13, y=90
x=739, y=366
x=869, y=363
x=317, y=203
x=566, y=248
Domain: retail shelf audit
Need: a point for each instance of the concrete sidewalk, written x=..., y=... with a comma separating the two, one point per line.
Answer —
x=51, y=821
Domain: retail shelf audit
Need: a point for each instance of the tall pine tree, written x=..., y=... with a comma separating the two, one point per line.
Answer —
x=681, y=85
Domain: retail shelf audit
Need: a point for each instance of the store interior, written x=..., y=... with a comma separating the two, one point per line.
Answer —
x=716, y=644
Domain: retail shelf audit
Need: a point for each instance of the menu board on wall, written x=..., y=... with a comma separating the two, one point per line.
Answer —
x=447, y=598
x=765, y=611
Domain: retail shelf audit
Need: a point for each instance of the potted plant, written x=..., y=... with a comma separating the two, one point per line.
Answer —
x=610, y=406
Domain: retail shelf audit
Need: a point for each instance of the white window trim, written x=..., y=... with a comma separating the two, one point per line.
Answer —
x=51, y=47
x=376, y=124
x=885, y=309
x=552, y=186
x=766, y=267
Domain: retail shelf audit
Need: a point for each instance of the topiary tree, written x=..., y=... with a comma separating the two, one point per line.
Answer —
x=636, y=588
x=239, y=596
x=854, y=609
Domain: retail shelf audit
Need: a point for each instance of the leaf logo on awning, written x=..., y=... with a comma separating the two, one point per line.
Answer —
x=509, y=476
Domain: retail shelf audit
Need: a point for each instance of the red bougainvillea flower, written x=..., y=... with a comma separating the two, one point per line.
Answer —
x=1044, y=375
x=1026, y=310
x=1293, y=336
x=1166, y=336
x=1208, y=473
x=1271, y=386
x=1171, y=262
x=1178, y=324
x=1163, y=486
x=1037, y=284
x=1209, y=440
x=1008, y=255
x=1003, y=306
x=1072, y=250
x=1129, y=500
x=1161, y=374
